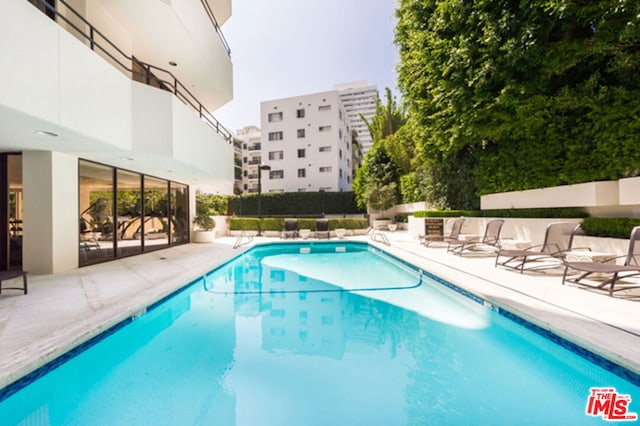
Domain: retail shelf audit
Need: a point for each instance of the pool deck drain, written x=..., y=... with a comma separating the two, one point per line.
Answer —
x=63, y=310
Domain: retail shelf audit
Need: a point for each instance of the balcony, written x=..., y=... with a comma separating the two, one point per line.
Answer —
x=95, y=109
x=255, y=147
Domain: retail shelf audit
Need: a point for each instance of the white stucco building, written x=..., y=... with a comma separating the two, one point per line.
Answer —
x=359, y=97
x=107, y=127
x=249, y=137
x=306, y=142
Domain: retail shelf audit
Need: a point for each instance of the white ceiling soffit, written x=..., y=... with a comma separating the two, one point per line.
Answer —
x=159, y=36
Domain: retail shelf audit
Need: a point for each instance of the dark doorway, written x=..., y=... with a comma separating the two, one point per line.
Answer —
x=11, y=225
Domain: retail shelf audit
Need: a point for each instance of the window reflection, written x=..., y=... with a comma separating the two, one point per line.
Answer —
x=129, y=211
x=156, y=214
x=96, y=212
x=179, y=213
x=129, y=234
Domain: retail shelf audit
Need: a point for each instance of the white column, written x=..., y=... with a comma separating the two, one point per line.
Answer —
x=50, y=241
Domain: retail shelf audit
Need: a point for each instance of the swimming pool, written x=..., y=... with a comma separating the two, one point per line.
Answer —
x=273, y=338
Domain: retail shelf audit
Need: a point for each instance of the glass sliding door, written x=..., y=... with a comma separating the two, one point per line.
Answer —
x=96, y=208
x=122, y=213
x=179, y=213
x=156, y=213
x=129, y=212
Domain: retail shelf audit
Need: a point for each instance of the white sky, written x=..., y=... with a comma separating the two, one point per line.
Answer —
x=284, y=48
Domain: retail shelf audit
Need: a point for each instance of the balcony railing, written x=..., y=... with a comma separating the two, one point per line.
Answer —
x=255, y=147
x=140, y=71
x=213, y=20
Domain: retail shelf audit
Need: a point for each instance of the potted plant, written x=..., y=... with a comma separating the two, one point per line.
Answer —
x=204, y=223
x=204, y=228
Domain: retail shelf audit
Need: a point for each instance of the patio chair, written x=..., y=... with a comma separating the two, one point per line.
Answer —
x=453, y=235
x=290, y=228
x=558, y=239
x=10, y=274
x=322, y=228
x=489, y=242
x=600, y=274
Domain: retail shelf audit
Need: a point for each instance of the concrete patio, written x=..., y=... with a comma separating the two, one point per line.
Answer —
x=64, y=310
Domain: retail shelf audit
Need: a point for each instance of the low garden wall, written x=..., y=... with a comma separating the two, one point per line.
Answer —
x=532, y=230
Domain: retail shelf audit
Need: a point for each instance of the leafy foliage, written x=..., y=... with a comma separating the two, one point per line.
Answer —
x=275, y=224
x=516, y=213
x=615, y=227
x=506, y=95
x=295, y=204
x=375, y=182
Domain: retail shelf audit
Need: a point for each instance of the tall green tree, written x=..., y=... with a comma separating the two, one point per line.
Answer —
x=508, y=95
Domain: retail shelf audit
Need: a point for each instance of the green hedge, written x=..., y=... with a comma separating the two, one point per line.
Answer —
x=516, y=213
x=295, y=204
x=614, y=227
x=243, y=224
x=277, y=224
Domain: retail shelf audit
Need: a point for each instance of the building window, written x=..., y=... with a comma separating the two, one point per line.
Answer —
x=106, y=193
x=276, y=155
x=300, y=133
x=302, y=189
x=300, y=113
x=325, y=169
x=302, y=173
x=325, y=148
x=275, y=136
x=276, y=174
x=340, y=173
x=301, y=153
x=341, y=153
x=339, y=133
x=324, y=108
x=324, y=128
x=274, y=117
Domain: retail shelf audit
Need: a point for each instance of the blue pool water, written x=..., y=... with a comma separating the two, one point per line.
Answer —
x=273, y=338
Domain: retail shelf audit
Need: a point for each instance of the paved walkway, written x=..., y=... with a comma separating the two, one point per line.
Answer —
x=65, y=309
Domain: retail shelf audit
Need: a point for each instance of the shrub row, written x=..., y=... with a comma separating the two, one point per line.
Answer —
x=614, y=227
x=519, y=213
x=295, y=204
x=277, y=224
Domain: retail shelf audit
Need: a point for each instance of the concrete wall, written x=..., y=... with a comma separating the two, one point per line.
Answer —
x=532, y=230
x=619, y=198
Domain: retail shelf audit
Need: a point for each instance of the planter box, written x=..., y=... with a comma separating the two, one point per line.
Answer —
x=204, y=236
x=237, y=233
x=381, y=223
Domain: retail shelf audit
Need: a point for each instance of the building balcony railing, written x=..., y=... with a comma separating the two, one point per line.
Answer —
x=252, y=176
x=254, y=162
x=213, y=20
x=140, y=71
x=255, y=147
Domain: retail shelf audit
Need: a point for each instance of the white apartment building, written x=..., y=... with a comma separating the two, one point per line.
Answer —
x=249, y=137
x=359, y=98
x=306, y=142
x=106, y=126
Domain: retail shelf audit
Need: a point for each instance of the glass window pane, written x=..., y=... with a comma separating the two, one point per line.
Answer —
x=129, y=207
x=96, y=212
x=179, y=213
x=156, y=213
